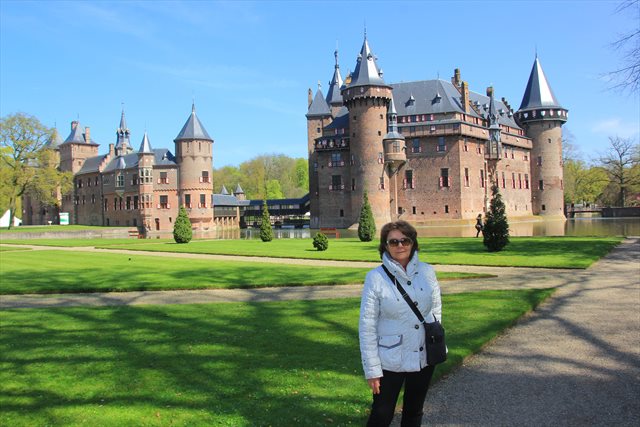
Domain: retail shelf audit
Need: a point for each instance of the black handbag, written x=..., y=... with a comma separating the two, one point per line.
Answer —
x=434, y=332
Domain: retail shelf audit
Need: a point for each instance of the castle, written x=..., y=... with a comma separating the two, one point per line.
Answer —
x=430, y=150
x=138, y=188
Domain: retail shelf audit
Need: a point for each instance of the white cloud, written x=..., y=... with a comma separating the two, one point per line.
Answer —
x=616, y=126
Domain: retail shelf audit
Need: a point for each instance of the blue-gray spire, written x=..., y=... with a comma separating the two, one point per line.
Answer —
x=538, y=92
x=145, y=146
x=238, y=190
x=366, y=72
x=319, y=106
x=123, y=144
x=54, y=141
x=193, y=128
x=224, y=190
x=392, y=123
x=334, y=97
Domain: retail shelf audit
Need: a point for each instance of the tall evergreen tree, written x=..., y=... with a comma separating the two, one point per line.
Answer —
x=182, y=227
x=366, y=223
x=496, y=227
x=266, y=233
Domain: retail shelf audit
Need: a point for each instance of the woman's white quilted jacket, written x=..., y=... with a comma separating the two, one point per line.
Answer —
x=391, y=336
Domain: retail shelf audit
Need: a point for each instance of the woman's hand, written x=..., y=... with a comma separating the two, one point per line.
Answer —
x=374, y=384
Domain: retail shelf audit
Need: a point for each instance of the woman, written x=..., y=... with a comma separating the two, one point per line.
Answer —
x=479, y=226
x=391, y=336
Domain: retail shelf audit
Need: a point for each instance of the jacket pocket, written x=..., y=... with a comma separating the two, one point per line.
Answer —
x=390, y=349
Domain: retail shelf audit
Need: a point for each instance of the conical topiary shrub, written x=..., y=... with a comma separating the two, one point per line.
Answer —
x=320, y=242
x=266, y=233
x=182, y=227
x=366, y=223
x=496, y=227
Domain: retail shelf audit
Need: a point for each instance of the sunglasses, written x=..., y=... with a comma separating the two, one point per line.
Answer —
x=405, y=241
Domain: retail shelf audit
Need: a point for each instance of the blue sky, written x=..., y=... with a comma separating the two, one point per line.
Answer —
x=248, y=65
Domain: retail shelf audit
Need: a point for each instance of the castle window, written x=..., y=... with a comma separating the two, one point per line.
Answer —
x=187, y=201
x=354, y=117
x=504, y=181
x=336, y=183
x=526, y=181
x=115, y=203
x=341, y=213
x=482, y=178
x=441, y=144
x=134, y=180
x=79, y=183
x=465, y=146
x=541, y=185
x=317, y=130
x=466, y=177
x=520, y=181
x=539, y=161
x=204, y=177
x=525, y=157
x=164, y=178
x=408, y=182
x=120, y=204
x=396, y=146
x=203, y=201
x=479, y=148
x=164, y=202
x=446, y=208
x=88, y=182
x=415, y=146
x=544, y=208
x=380, y=158
x=93, y=199
x=120, y=180
x=445, y=180
x=83, y=200
x=315, y=166
x=413, y=210
x=353, y=184
x=96, y=181
x=128, y=205
x=549, y=139
x=512, y=154
x=379, y=133
x=513, y=180
x=106, y=206
x=199, y=147
x=135, y=202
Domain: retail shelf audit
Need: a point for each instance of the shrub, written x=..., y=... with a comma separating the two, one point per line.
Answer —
x=320, y=242
x=266, y=233
x=366, y=223
x=496, y=227
x=182, y=228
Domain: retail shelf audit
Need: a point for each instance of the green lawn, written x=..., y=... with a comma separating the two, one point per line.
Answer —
x=51, y=271
x=90, y=243
x=57, y=228
x=551, y=252
x=254, y=364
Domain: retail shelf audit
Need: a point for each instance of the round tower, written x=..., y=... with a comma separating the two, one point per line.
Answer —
x=367, y=97
x=194, y=156
x=542, y=117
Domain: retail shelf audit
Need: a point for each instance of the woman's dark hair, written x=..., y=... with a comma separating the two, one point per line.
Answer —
x=402, y=226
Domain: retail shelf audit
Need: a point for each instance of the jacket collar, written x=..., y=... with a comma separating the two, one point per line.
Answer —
x=396, y=269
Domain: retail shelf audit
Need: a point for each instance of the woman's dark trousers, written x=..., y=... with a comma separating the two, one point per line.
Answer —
x=416, y=385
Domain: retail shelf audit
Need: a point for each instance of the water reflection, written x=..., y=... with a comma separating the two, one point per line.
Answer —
x=570, y=227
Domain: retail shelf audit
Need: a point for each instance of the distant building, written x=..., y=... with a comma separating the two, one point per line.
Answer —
x=140, y=188
x=429, y=150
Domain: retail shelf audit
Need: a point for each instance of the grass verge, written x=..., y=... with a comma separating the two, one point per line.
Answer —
x=280, y=363
x=50, y=271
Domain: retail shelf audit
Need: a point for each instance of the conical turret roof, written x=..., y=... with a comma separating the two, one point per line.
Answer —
x=319, y=106
x=538, y=92
x=145, y=146
x=366, y=72
x=193, y=128
x=492, y=114
x=334, y=97
x=54, y=141
x=392, y=123
x=224, y=190
x=238, y=190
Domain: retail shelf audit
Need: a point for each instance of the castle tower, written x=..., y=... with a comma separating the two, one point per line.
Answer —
x=146, y=160
x=542, y=117
x=334, y=97
x=74, y=151
x=493, y=150
x=194, y=156
x=395, y=154
x=318, y=116
x=123, y=143
x=367, y=97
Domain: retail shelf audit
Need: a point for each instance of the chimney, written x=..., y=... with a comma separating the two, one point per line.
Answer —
x=309, y=98
x=112, y=150
x=465, y=97
x=489, y=91
x=456, y=77
x=87, y=135
x=74, y=125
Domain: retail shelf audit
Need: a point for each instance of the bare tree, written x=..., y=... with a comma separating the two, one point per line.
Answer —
x=621, y=161
x=627, y=76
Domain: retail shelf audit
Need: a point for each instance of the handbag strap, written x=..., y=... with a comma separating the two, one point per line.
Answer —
x=405, y=296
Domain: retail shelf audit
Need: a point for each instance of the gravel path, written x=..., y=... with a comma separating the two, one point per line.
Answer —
x=573, y=362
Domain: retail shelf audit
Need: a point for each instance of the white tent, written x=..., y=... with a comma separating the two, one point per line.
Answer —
x=4, y=221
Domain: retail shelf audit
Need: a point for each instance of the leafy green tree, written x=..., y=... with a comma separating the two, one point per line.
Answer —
x=621, y=163
x=273, y=190
x=182, y=232
x=266, y=233
x=366, y=223
x=496, y=227
x=26, y=165
x=302, y=174
x=320, y=242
